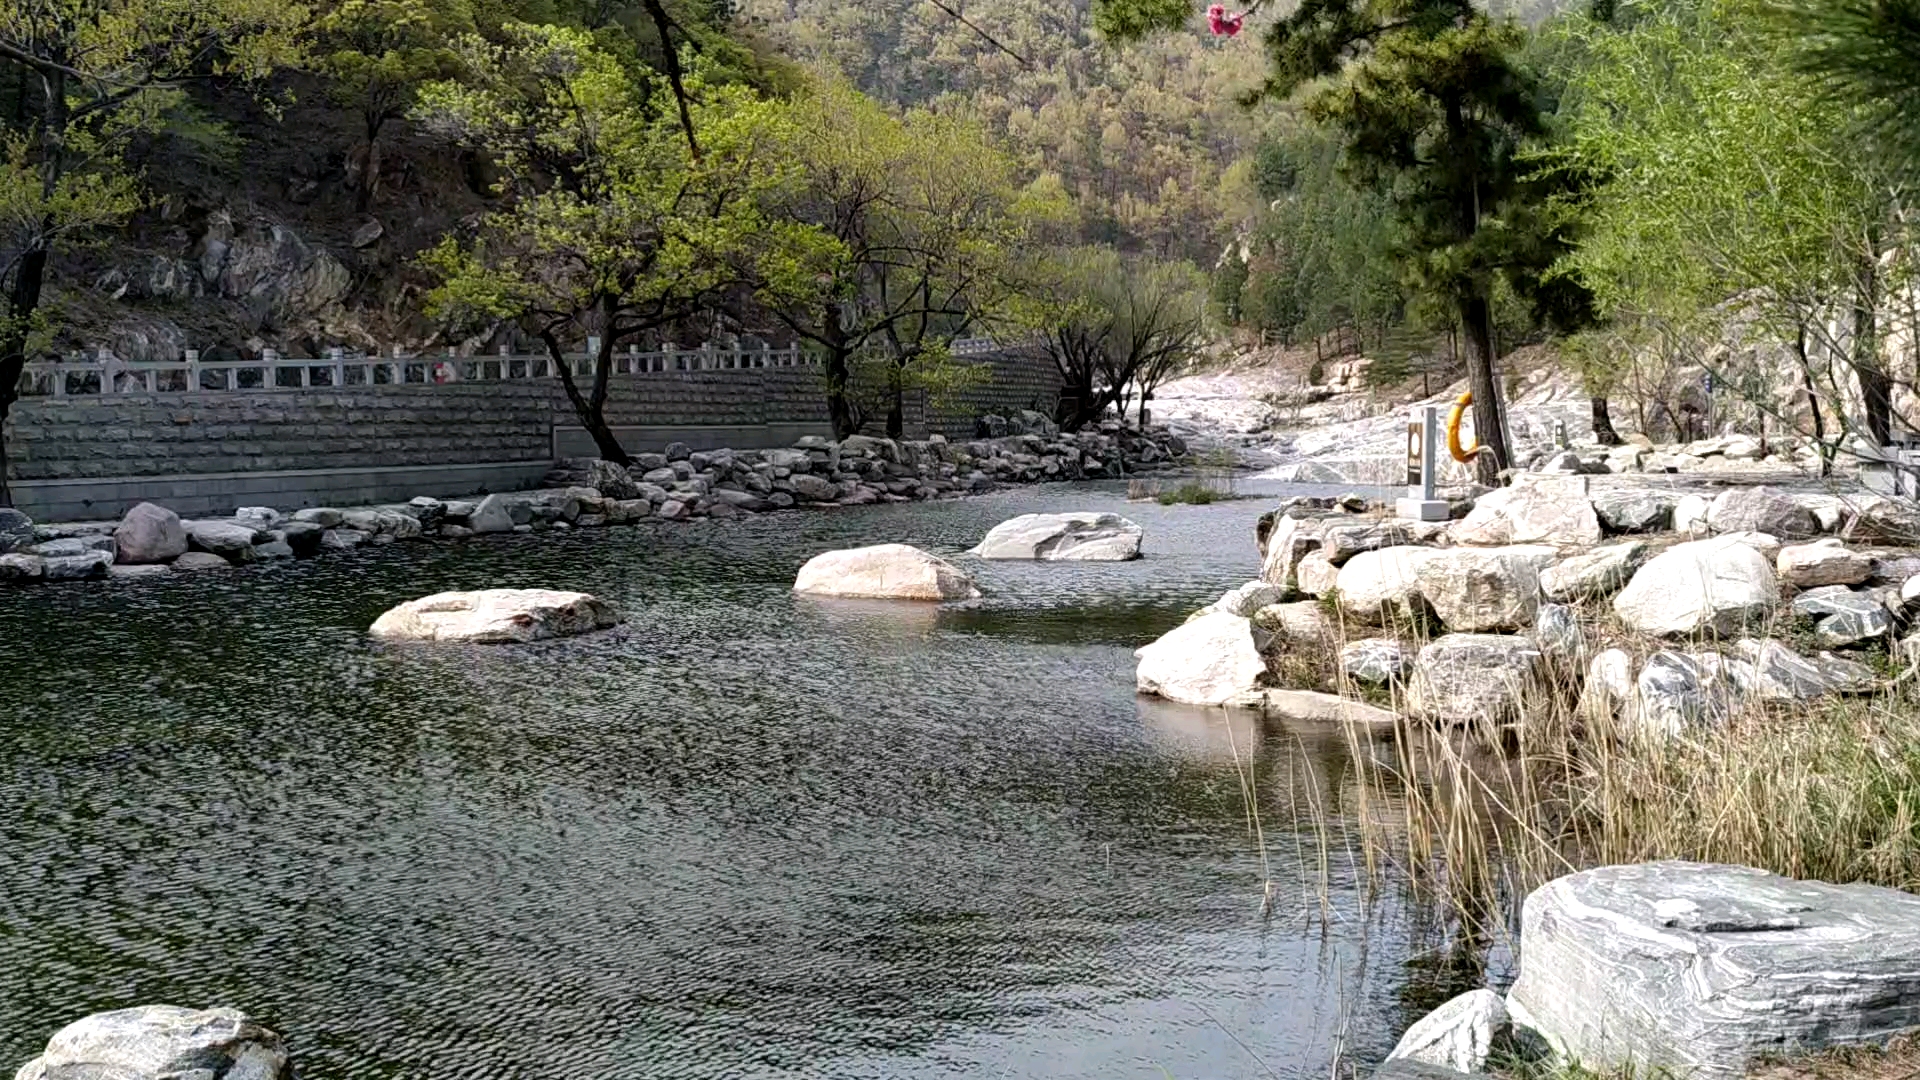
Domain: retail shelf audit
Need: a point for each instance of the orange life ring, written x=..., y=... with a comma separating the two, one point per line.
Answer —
x=1462, y=454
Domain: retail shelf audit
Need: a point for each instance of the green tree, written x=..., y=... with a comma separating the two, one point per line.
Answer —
x=93, y=78
x=927, y=214
x=376, y=53
x=1114, y=326
x=1735, y=193
x=612, y=226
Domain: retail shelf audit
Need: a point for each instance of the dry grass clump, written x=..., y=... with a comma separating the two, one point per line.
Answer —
x=1899, y=1060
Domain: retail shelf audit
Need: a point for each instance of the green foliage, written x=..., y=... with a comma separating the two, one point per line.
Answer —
x=377, y=52
x=1864, y=57
x=611, y=225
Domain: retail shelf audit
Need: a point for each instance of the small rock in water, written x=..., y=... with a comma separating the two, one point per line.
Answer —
x=496, y=616
x=162, y=1042
x=883, y=572
x=1460, y=1035
x=1074, y=536
x=150, y=533
x=1211, y=660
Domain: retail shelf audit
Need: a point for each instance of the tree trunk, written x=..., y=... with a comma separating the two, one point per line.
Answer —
x=1813, y=403
x=839, y=409
x=22, y=300
x=1876, y=385
x=591, y=411
x=1489, y=417
x=1603, y=422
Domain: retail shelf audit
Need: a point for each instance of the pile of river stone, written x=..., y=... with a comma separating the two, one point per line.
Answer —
x=678, y=485
x=1490, y=618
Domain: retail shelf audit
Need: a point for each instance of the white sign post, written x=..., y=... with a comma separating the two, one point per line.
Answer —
x=1423, y=467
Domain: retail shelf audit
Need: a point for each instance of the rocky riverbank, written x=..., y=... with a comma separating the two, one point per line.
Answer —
x=680, y=484
x=1660, y=610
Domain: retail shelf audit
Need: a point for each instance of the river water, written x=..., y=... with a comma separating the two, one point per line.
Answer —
x=746, y=835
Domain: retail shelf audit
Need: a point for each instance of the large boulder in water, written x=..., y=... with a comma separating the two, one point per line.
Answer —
x=162, y=1042
x=884, y=572
x=1069, y=537
x=496, y=616
x=150, y=534
x=1705, y=586
x=1700, y=969
x=1213, y=659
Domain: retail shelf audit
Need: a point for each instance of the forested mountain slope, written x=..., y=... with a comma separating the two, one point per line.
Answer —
x=1150, y=139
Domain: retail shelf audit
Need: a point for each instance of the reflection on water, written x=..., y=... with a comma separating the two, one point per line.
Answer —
x=746, y=835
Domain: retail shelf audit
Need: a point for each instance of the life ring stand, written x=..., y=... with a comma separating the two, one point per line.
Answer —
x=442, y=372
x=1463, y=454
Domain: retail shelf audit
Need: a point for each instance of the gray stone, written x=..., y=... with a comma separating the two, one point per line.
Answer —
x=324, y=516
x=1676, y=694
x=455, y=532
x=814, y=488
x=1459, y=1035
x=118, y=571
x=1831, y=600
x=343, y=539
x=1304, y=621
x=1780, y=674
x=1210, y=660
x=1609, y=687
x=19, y=566
x=678, y=451
x=162, y=1042
x=1704, y=586
x=1282, y=551
x=1477, y=680
x=611, y=479
x=1850, y=628
x=491, y=516
x=1481, y=590
x=1315, y=575
x=273, y=549
x=229, y=540
x=427, y=510
x=200, y=560
x=260, y=517
x=1556, y=629
x=1376, y=661
x=83, y=567
x=1690, y=515
x=1879, y=520
x=459, y=510
x=1823, y=562
x=1633, y=509
x=1247, y=599
x=1074, y=537
x=660, y=476
x=16, y=529
x=496, y=616
x=1597, y=574
x=70, y=546
x=1701, y=969
x=1763, y=510
x=1314, y=707
x=884, y=572
x=304, y=538
x=149, y=534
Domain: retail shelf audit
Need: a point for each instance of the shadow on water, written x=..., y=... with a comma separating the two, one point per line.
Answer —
x=747, y=834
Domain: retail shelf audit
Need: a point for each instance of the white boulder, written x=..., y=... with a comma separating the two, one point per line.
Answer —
x=162, y=1042
x=884, y=572
x=1210, y=660
x=1068, y=537
x=1703, y=586
x=1537, y=509
x=1286, y=546
x=1700, y=969
x=496, y=616
x=1384, y=584
x=1760, y=509
x=1459, y=1035
x=1481, y=590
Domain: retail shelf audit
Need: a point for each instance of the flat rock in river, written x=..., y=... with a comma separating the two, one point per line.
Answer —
x=1068, y=537
x=496, y=616
x=162, y=1042
x=884, y=572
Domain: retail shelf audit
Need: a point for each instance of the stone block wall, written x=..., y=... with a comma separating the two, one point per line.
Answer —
x=88, y=457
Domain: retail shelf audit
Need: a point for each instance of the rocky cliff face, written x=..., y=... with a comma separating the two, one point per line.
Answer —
x=255, y=238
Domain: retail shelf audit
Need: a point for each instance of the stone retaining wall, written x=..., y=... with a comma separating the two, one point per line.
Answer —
x=92, y=457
